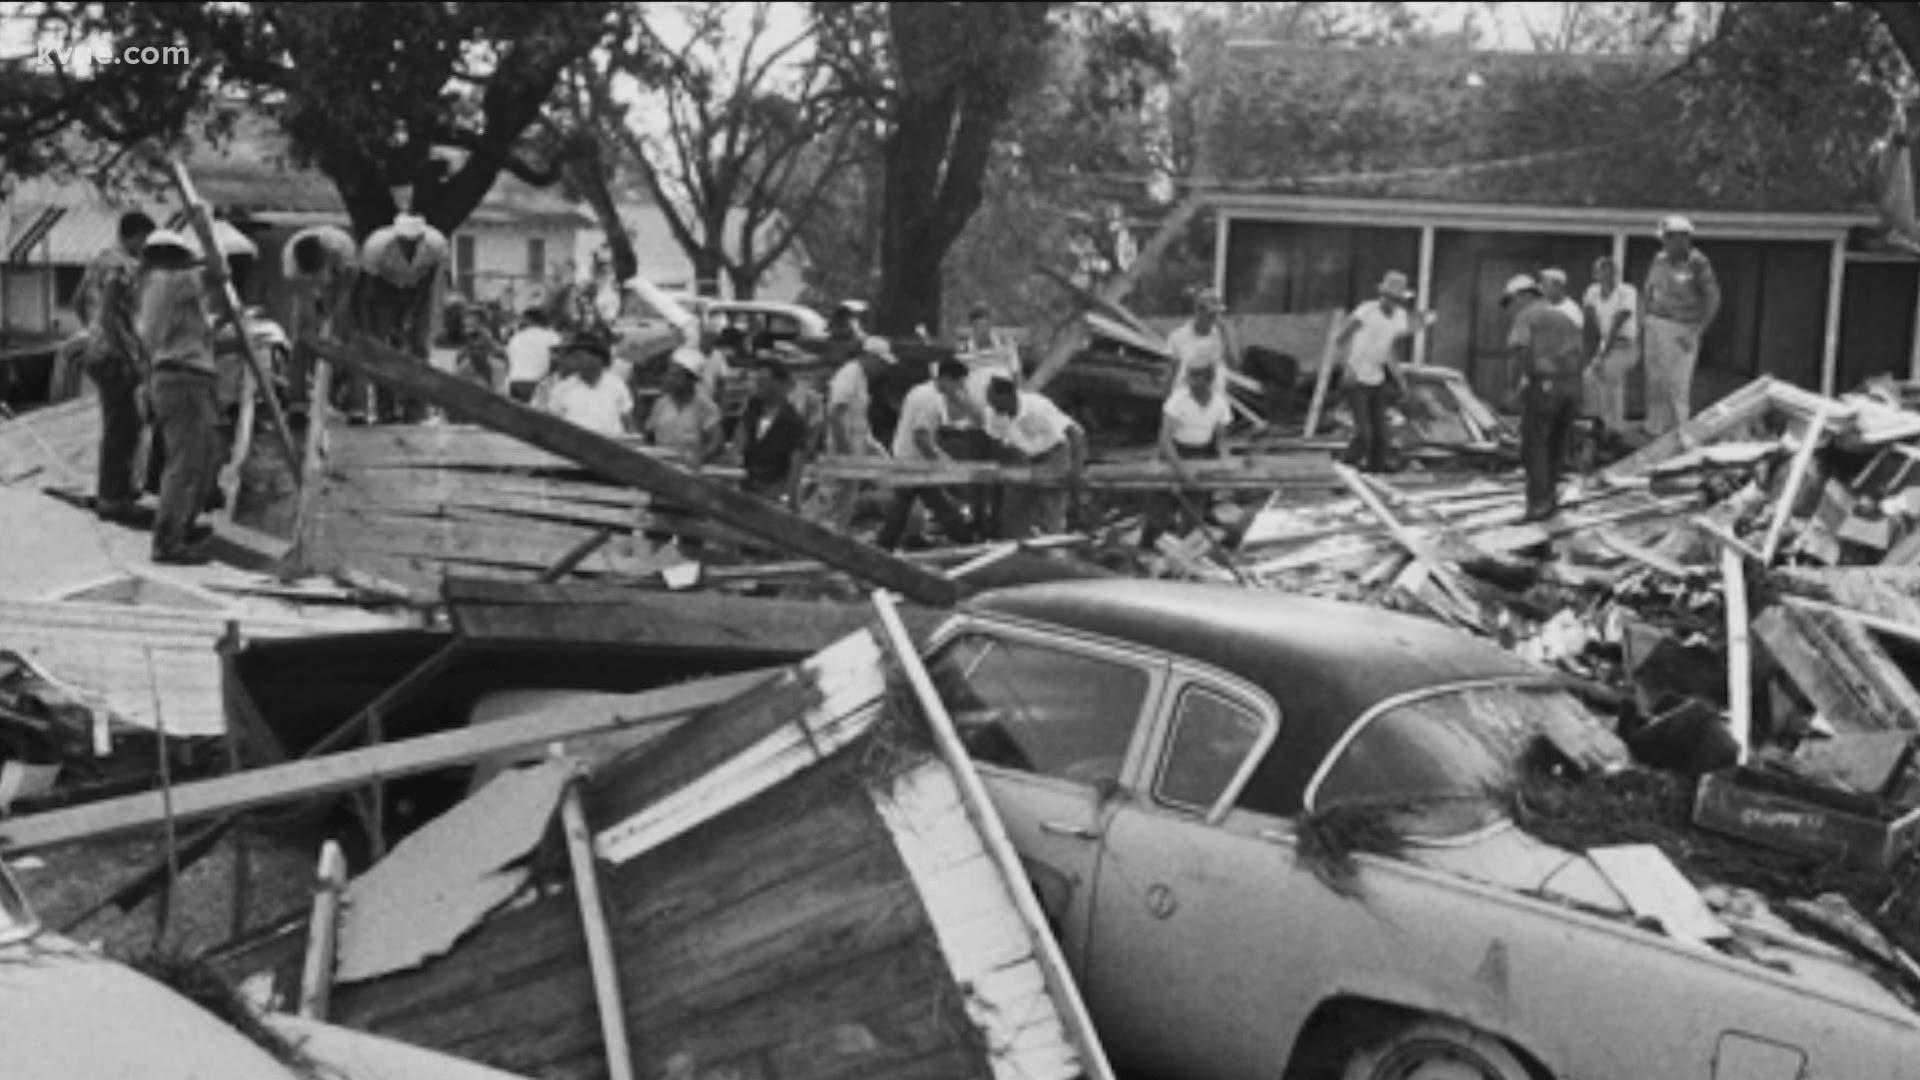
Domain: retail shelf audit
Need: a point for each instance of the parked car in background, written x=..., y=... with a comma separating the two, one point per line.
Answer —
x=1154, y=749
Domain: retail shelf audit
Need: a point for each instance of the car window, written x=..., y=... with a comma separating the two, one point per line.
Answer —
x=1445, y=759
x=1041, y=709
x=783, y=326
x=1211, y=738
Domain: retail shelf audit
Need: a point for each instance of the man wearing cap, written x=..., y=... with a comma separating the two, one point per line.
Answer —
x=1375, y=339
x=1544, y=348
x=176, y=333
x=1615, y=309
x=401, y=269
x=684, y=421
x=108, y=302
x=939, y=403
x=1681, y=298
x=1553, y=285
x=1202, y=341
x=1032, y=430
x=323, y=264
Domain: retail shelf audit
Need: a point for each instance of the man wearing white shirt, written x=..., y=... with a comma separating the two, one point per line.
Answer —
x=1032, y=430
x=1614, y=307
x=940, y=402
x=1375, y=338
x=1193, y=425
x=589, y=397
x=1202, y=341
x=530, y=356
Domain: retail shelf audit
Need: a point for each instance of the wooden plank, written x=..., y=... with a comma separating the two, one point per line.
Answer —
x=593, y=920
x=343, y=536
x=756, y=517
x=316, y=978
x=1741, y=407
x=356, y=768
x=1733, y=574
x=1249, y=473
x=1836, y=663
x=1796, y=479
x=1322, y=378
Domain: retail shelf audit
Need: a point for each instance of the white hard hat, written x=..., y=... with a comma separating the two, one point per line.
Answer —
x=879, y=347
x=1674, y=224
x=410, y=226
x=1518, y=284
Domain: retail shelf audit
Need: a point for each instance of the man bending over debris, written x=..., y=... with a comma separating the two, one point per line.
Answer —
x=177, y=331
x=940, y=402
x=401, y=268
x=1544, y=347
x=324, y=262
x=1193, y=425
x=1032, y=430
x=772, y=435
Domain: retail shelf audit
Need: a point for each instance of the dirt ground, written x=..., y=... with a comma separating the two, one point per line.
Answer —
x=64, y=883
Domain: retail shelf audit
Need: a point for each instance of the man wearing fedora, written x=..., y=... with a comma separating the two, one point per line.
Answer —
x=1375, y=339
x=1680, y=299
x=1544, y=348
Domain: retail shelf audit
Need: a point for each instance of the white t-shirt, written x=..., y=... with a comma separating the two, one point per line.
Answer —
x=1190, y=347
x=1571, y=309
x=923, y=409
x=530, y=353
x=1196, y=425
x=1371, y=347
x=1037, y=428
x=849, y=387
x=602, y=407
x=1625, y=298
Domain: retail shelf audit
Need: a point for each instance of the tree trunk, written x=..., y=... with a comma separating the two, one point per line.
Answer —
x=746, y=283
x=588, y=178
x=369, y=202
x=708, y=265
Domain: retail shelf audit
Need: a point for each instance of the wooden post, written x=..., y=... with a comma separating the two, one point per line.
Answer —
x=979, y=807
x=323, y=932
x=1323, y=376
x=319, y=409
x=1733, y=571
x=1836, y=295
x=1423, y=291
x=622, y=464
x=1796, y=478
x=593, y=921
x=217, y=269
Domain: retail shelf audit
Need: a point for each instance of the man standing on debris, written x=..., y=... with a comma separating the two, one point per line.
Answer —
x=939, y=403
x=1544, y=348
x=323, y=263
x=1203, y=341
x=401, y=267
x=1615, y=309
x=1553, y=284
x=107, y=304
x=1033, y=431
x=1193, y=426
x=684, y=421
x=1681, y=298
x=1376, y=339
x=176, y=330
x=772, y=435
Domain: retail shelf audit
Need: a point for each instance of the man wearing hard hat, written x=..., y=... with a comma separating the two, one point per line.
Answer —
x=1681, y=298
x=1545, y=349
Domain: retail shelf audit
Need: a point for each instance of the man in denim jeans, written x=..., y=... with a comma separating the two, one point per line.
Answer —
x=107, y=303
x=177, y=333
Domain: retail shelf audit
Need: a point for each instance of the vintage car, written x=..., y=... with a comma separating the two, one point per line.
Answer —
x=1153, y=749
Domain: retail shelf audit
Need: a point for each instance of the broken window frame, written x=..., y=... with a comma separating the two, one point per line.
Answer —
x=1246, y=699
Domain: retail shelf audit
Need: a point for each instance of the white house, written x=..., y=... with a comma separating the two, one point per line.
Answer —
x=663, y=262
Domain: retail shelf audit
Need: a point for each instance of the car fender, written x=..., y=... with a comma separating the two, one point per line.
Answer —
x=1360, y=993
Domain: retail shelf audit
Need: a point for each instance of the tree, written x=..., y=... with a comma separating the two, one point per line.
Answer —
x=439, y=97
x=940, y=79
x=733, y=96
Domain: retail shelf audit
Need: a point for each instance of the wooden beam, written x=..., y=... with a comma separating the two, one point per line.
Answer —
x=729, y=506
x=1736, y=409
x=357, y=768
x=1840, y=667
x=1423, y=291
x=1796, y=478
x=323, y=932
x=1739, y=653
x=601, y=958
x=1836, y=296
x=1323, y=376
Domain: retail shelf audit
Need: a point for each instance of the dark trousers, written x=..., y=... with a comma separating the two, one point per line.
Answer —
x=400, y=318
x=114, y=482
x=939, y=503
x=1548, y=409
x=1165, y=509
x=1372, y=438
x=186, y=414
x=983, y=500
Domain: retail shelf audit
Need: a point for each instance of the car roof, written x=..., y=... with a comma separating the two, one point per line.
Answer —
x=1325, y=663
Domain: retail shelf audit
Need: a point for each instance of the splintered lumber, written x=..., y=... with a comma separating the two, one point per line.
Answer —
x=323, y=931
x=794, y=889
x=1739, y=653
x=593, y=922
x=1796, y=477
x=1840, y=667
x=356, y=768
x=1888, y=593
x=755, y=517
x=1322, y=377
x=1737, y=409
x=1424, y=554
